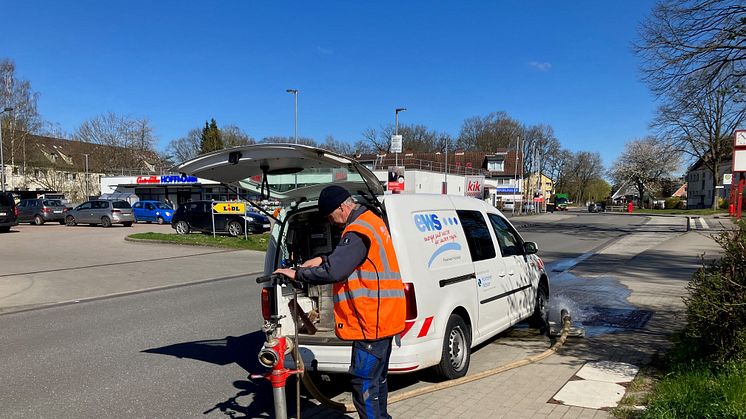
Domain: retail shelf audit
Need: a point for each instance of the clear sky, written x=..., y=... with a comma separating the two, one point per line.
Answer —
x=568, y=64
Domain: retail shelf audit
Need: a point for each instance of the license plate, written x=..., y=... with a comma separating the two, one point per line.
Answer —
x=58, y=212
x=2, y=214
x=266, y=225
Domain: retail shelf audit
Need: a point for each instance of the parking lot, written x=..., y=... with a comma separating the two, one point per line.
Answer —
x=54, y=263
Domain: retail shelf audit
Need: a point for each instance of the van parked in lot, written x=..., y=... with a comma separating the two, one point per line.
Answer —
x=39, y=211
x=8, y=212
x=468, y=273
x=198, y=216
x=101, y=212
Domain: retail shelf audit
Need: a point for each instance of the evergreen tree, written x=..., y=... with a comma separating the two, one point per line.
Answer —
x=210, y=140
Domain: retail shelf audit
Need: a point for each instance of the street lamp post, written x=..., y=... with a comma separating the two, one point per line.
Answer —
x=295, y=93
x=86, y=176
x=2, y=159
x=396, y=129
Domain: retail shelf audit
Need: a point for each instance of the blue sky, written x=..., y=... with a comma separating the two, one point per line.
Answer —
x=178, y=63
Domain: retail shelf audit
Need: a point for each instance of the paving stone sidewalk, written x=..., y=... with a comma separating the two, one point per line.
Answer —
x=651, y=281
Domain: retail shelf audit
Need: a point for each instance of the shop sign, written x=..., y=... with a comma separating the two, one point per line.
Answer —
x=229, y=207
x=474, y=186
x=167, y=179
x=506, y=191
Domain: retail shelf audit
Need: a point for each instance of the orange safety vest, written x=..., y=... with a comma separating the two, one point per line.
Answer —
x=370, y=304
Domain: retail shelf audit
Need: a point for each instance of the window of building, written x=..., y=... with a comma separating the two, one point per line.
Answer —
x=496, y=165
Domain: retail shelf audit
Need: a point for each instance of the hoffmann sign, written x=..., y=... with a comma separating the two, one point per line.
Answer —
x=475, y=186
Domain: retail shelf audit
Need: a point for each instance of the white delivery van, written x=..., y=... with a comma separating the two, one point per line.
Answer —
x=468, y=274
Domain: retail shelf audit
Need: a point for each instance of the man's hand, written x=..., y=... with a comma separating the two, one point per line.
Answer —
x=312, y=263
x=290, y=273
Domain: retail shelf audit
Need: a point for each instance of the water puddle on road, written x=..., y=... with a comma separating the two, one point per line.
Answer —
x=598, y=304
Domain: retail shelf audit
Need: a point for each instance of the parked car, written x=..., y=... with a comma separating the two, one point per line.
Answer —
x=101, y=212
x=197, y=216
x=39, y=211
x=8, y=212
x=595, y=207
x=149, y=211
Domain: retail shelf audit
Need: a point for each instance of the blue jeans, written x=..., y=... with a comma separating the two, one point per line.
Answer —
x=369, y=367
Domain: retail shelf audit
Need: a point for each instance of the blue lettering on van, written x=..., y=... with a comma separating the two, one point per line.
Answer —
x=427, y=222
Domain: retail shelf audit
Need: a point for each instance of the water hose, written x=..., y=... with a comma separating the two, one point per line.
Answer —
x=349, y=407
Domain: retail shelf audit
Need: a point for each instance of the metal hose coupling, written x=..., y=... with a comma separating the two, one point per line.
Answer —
x=269, y=355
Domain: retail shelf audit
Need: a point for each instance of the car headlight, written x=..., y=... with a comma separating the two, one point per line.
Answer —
x=168, y=214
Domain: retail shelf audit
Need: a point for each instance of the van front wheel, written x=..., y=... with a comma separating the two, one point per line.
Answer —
x=454, y=361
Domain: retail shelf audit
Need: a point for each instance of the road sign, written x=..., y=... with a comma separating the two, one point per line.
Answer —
x=229, y=207
x=727, y=178
x=396, y=143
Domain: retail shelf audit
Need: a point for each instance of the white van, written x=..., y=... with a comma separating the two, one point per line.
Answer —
x=468, y=274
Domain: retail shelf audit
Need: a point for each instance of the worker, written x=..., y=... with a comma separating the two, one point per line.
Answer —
x=368, y=294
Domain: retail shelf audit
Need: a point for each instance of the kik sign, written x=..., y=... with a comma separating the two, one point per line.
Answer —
x=474, y=186
x=229, y=207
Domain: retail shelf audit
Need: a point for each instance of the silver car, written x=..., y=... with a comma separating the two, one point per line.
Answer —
x=101, y=212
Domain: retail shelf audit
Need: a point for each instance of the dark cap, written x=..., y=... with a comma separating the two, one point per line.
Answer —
x=331, y=198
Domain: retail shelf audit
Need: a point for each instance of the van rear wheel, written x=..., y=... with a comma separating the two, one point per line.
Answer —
x=456, y=355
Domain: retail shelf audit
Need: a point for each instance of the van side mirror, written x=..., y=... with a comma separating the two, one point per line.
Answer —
x=530, y=248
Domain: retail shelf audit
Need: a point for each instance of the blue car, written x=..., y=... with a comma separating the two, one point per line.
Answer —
x=150, y=211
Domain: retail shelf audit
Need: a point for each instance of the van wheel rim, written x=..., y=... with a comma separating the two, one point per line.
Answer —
x=457, y=348
x=234, y=229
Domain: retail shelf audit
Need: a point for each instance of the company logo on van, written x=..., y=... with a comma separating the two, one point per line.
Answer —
x=431, y=222
x=427, y=222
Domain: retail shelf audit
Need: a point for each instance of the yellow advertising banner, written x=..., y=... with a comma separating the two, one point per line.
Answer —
x=229, y=207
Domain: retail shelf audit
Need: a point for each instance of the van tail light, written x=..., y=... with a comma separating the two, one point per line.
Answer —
x=15, y=211
x=116, y=211
x=265, y=303
x=46, y=209
x=410, y=300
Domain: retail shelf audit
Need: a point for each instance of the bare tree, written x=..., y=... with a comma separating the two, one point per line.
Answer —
x=644, y=163
x=186, y=147
x=700, y=121
x=23, y=120
x=686, y=37
x=558, y=167
x=379, y=141
x=133, y=137
x=233, y=136
x=538, y=144
x=494, y=131
x=583, y=169
x=337, y=146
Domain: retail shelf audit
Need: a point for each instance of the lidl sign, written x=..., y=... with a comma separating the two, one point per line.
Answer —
x=229, y=207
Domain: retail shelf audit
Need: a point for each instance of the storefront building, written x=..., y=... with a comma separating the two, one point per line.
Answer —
x=175, y=188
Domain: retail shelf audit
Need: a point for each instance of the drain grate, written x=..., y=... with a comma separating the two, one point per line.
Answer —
x=620, y=318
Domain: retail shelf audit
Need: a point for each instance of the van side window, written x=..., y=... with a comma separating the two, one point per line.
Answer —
x=477, y=235
x=510, y=243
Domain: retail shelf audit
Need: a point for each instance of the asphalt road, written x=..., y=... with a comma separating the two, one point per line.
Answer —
x=186, y=351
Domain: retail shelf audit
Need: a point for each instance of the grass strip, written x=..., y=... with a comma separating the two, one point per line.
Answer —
x=253, y=242
x=698, y=390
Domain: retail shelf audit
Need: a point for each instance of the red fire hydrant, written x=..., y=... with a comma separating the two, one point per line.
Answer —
x=629, y=206
x=272, y=355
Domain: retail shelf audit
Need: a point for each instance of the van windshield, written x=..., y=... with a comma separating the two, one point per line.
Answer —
x=52, y=203
x=121, y=204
